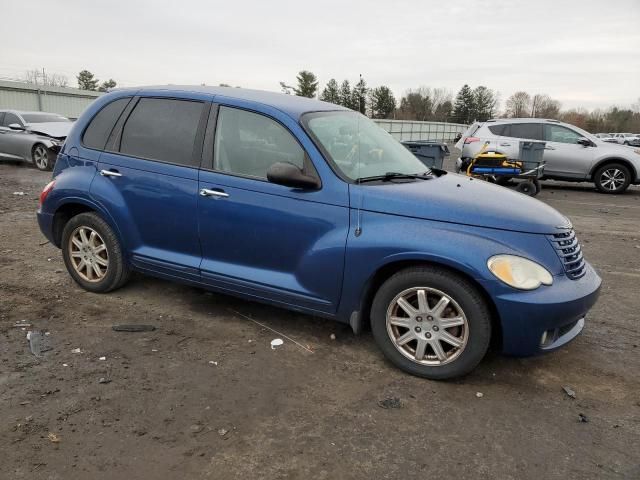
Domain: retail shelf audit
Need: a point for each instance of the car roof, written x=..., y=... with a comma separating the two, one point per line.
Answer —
x=292, y=105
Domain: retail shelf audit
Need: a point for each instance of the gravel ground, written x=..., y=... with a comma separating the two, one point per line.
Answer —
x=205, y=396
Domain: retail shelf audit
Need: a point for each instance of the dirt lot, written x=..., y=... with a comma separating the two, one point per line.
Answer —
x=169, y=411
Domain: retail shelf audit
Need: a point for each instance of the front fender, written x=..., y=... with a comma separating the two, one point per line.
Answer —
x=388, y=239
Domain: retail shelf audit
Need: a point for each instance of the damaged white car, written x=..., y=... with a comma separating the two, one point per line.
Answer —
x=34, y=137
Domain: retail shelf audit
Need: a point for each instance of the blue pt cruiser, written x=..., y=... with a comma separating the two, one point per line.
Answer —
x=312, y=207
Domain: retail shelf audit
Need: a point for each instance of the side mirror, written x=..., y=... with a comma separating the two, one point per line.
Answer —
x=585, y=142
x=287, y=174
x=16, y=126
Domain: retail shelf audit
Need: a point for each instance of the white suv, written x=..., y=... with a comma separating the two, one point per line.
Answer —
x=571, y=153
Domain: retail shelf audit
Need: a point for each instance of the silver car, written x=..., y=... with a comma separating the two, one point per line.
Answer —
x=606, y=137
x=627, y=139
x=571, y=154
x=32, y=136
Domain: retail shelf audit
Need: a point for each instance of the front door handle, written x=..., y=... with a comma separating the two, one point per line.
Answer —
x=110, y=173
x=505, y=144
x=549, y=148
x=207, y=192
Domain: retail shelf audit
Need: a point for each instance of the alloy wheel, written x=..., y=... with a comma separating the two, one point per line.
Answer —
x=612, y=179
x=40, y=157
x=88, y=254
x=427, y=326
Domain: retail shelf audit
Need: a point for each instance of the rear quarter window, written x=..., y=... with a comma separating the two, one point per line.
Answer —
x=97, y=133
x=498, y=129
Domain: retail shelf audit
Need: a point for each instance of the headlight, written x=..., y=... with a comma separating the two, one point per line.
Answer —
x=518, y=272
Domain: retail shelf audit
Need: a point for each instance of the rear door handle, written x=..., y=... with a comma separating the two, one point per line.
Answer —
x=110, y=173
x=549, y=148
x=207, y=192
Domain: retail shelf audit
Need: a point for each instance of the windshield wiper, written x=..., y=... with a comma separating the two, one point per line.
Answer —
x=395, y=175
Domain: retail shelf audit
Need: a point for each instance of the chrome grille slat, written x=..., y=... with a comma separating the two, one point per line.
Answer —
x=570, y=253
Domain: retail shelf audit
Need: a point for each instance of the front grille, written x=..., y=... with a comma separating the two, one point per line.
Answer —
x=570, y=253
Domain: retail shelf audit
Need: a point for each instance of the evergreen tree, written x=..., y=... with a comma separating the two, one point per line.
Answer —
x=383, y=103
x=344, y=94
x=484, y=104
x=307, y=84
x=111, y=83
x=331, y=92
x=86, y=81
x=359, y=96
x=464, y=105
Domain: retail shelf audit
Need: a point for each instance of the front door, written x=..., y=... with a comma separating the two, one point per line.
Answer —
x=260, y=239
x=565, y=157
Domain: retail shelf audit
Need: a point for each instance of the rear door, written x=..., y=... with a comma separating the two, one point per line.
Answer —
x=564, y=157
x=514, y=133
x=260, y=239
x=148, y=182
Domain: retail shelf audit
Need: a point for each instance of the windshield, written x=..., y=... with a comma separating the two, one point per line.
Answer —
x=43, y=118
x=358, y=147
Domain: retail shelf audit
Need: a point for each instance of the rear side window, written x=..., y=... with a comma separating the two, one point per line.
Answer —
x=498, y=129
x=532, y=131
x=162, y=129
x=248, y=144
x=97, y=133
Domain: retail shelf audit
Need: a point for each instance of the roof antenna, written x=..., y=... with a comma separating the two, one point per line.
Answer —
x=358, y=230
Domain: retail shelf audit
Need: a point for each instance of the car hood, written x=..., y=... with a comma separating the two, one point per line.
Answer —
x=458, y=199
x=51, y=129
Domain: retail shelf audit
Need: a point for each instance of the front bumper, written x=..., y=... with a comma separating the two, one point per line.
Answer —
x=547, y=318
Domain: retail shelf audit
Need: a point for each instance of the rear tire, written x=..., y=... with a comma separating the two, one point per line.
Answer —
x=41, y=158
x=612, y=178
x=92, y=254
x=464, y=319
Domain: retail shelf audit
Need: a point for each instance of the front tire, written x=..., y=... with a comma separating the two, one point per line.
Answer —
x=431, y=322
x=40, y=157
x=612, y=178
x=92, y=254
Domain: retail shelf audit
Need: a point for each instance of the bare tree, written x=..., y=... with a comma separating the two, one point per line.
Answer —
x=37, y=77
x=543, y=106
x=518, y=105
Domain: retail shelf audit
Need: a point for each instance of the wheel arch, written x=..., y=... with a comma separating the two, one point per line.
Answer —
x=386, y=271
x=69, y=209
x=608, y=160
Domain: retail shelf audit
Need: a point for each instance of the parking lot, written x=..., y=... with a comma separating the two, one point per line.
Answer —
x=205, y=395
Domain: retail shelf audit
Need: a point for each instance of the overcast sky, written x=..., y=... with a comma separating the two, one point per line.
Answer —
x=581, y=52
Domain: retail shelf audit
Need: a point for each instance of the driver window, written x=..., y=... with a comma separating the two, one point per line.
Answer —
x=560, y=134
x=248, y=144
